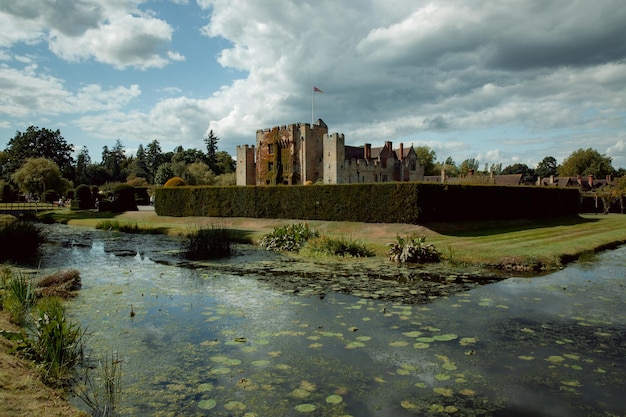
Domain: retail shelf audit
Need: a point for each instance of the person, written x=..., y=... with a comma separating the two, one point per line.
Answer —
x=152, y=200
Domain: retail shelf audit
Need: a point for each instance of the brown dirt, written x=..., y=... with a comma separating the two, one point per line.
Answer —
x=21, y=391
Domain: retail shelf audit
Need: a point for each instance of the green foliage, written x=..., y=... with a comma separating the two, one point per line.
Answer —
x=329, y=246
x=426, y=157
x=37, y=175
x=83, y=198
x=123, y=198
x=40, y=143
x=288, y=238
x=586, y=162
x=29, y=236
x=175, y=182
x=413, y=250
x=54, y=342
x=101, y=392
x=108, y=224
x=411, y=203
x=548, y=166
x=18, y=297
x=211, y=243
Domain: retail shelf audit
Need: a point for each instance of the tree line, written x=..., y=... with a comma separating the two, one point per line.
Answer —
x=40, y=160
x=583, y=162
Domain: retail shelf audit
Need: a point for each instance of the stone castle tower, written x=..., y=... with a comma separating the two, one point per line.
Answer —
x=302, y=153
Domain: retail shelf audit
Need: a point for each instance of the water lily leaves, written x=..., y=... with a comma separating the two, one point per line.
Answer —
x=364, y=338
x=421, y=345
x=467, y=392
x=355, y=345
x=205, y=387
x=305, y=408
x=409, y=405
x=316, y=345
x=398, y=343
x=219, y=358
x=235, y=405
x=442, y=377
x=467, y=341
x=445, y=392
x=525, y=358
x=413, y=334
x=260, y=363
x=334, y=399
x=445, y=337
x=571, y=383
x=220, y=371
x=555, y=359
x=300, y=393
x=207, y=404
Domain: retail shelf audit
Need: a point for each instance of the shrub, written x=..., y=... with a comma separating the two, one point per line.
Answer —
x=288, y=238
x=83, y=198
x=19, y=296
x=124, y=198
x=175, y=182
x=29, y=236
x=413, y=250
x=328, y=246
x=210, y=243
x=54, y=342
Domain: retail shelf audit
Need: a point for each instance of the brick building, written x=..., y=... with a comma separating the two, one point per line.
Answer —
x=302, y=153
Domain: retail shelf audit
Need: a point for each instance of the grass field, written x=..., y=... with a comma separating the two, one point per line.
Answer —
x=535, y=243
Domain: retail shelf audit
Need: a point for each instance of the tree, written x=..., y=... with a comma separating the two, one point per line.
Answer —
x=154, y=158
x=469, y=165
x=586, y=162
x=38, y=175
x=211, y=150
x=199, y=173
x=188, y=156
x=83, y=160
x=40, y=143
x=225, y=163
x=528, y=174
x=113, y=160
x=164, y=173
x=547, y=167
x=426, y=157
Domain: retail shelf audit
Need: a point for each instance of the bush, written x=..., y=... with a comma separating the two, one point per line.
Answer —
x=288, y=238
x=18, y=297
x=328, y=246
x=83, y=198
x=123, y=198
x=413, y=250
x=54, y=342
x=29, y=236
x=175, y=182
x=210, y=243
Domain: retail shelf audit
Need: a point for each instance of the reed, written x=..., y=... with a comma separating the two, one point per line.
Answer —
x=209, y=243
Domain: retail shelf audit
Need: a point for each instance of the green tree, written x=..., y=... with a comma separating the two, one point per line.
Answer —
x=225, y=163
x=40, y=143
x=188, y=156
x=113, y=161
x=154, y=158
x=164, y=173
x=199, y=173
x=83, y=160
x=38, y=175
x=469, y=165
x=528, y=174
x=211, y=151
x=547, y=167
x=586, y=162
x=426, y=157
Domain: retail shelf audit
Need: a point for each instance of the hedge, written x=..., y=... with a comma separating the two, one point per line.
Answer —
x=370, y=203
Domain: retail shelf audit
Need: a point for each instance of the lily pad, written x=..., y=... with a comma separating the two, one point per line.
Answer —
x=305, y=408
x=413, y=334
x=334, y=399
x=445, y=337
x=235, y=405
x=207, y=404
x=421, y=345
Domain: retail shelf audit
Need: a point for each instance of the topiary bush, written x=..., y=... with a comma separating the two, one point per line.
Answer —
x=175, y=182
x=414, y=250
x=83, y=199
x=123, y=198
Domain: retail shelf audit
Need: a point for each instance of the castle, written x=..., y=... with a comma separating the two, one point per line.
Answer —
x=302, y=153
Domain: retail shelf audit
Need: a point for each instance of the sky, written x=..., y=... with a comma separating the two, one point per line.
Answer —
x=500, y=81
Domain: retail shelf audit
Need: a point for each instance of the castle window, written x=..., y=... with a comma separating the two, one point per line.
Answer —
x=270, y=148
x=270, y=166
x=413, y=166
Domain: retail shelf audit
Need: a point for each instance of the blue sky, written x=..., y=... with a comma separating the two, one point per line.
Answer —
x=501, y=81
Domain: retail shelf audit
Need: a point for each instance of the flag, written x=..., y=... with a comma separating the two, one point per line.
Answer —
x=317, y=90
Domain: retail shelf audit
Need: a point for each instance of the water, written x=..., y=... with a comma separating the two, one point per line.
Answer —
x=206, y=342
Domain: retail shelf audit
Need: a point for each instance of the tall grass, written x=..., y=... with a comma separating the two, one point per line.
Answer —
x=330, y=246
x=288, y=238
x=29, y=236
x=18, y=296
x=54, y=342
x=211, y=243
x=101, y=392
x=125, y=227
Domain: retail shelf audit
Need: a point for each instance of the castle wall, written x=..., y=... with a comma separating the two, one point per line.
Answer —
x=246, y=165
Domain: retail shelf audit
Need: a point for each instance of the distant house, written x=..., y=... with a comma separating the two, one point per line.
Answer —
x=511, y=179
x=301, y=153
x=585, y=184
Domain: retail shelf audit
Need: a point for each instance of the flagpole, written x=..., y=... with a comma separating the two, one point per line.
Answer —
x=312, y=104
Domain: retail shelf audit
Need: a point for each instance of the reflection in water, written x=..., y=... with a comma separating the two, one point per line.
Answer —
x=205, y=342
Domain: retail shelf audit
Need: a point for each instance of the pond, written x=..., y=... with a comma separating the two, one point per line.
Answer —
x=215, y=341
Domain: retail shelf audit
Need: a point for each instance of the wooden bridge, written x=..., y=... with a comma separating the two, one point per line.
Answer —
x=19, y=209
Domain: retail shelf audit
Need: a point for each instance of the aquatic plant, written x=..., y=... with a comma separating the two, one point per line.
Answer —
x=288, y=238
x=54, y=342
x=330, y=246
x=211, y=243
x=29, y=236
x=414, y=250
x=19, y=295
x=101, y=392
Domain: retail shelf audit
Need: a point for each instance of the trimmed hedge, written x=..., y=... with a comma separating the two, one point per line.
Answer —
x=370, y=203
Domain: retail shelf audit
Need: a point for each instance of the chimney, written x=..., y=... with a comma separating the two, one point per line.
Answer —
x=443, y=175
x=608, y=179
x=401, y=151
x=368, y=151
